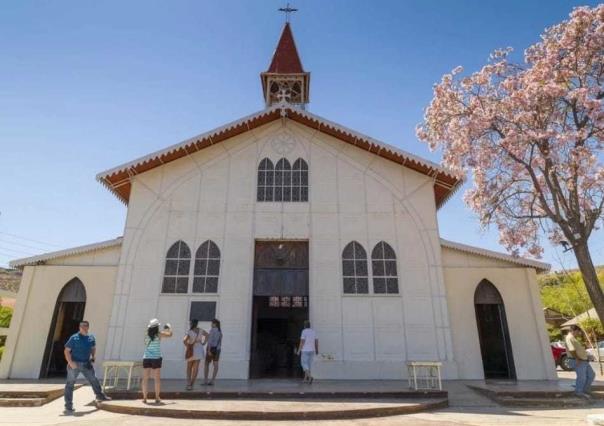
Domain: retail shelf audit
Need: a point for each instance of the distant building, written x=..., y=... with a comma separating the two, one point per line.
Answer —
x=590, y=313
x=553, y=318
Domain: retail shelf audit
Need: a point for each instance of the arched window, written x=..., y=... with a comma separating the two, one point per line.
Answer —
x=300, y=180
x=266, y=180
x=207, y=268
x=383, y=265
x=176, y=273
x=354, y=269
x=283, y=181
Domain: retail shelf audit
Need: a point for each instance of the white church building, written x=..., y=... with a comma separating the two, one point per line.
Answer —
x=272, y=219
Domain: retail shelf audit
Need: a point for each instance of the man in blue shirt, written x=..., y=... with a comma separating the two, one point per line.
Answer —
x=79, y=353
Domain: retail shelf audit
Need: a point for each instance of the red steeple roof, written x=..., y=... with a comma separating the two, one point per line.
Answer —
x=286, y=59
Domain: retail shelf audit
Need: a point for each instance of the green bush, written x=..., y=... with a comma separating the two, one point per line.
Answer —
x=1, y=351
x=6, y=315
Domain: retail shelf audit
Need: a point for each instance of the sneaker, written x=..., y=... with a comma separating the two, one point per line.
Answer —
x=583, y=395
x=103, y=397
x=68, y=411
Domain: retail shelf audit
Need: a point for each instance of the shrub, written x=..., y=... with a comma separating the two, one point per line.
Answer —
x=6, y=315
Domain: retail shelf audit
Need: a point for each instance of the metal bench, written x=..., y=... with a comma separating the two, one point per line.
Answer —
x=424, y=375
x=133, y=370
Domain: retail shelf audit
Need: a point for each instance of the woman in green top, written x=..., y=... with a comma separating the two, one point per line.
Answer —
x=152, y=356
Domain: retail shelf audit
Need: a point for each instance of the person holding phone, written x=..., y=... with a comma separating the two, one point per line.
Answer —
x=152, y=358
x=79, y=352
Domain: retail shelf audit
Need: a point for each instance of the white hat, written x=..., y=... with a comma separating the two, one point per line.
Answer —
x=153, y=323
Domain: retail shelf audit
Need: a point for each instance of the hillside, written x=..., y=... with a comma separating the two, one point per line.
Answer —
x=565, y=292
x=10, y=279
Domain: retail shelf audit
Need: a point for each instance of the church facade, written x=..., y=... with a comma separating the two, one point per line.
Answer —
x=272, y=219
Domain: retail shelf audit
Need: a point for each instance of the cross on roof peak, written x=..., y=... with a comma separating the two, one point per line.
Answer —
x=287, y=10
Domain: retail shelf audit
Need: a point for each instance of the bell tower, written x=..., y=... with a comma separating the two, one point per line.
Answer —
x=285, y=80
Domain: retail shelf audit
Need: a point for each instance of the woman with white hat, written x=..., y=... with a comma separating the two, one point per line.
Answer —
x=152, y=356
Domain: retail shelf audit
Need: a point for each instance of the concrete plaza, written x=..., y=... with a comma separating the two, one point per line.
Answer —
x=466, y=407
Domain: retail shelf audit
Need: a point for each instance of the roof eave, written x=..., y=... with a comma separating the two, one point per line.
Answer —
x=127, y=170
x=535, y=264
x=42, y=258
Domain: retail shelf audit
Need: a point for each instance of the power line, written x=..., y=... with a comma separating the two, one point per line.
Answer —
x=8, y=256
x=28, y=239
x=16, y=251
x=21, y=245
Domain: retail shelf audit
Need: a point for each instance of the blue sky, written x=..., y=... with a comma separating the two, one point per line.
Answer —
x=86, y=86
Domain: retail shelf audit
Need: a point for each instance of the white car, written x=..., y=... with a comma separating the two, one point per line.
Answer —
x=591, y=353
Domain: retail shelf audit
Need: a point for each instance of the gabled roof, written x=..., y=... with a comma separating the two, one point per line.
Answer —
x=117, y=179
x=42, y=258
x=590, y=313
x=539, y=266
x=285, y=58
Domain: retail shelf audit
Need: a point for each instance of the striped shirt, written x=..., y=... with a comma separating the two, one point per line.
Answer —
x=152, y=348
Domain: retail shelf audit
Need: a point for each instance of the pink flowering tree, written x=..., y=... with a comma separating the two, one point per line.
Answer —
x=532, y=136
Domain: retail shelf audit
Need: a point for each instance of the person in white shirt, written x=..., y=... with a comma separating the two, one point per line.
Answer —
x=309, y=347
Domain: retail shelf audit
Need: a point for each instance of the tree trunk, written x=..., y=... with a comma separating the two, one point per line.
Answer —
x=590, y=278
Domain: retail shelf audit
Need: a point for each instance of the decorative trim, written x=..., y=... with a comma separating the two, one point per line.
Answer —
x=118, y=179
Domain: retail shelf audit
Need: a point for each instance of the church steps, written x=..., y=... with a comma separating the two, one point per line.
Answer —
x=308, y=409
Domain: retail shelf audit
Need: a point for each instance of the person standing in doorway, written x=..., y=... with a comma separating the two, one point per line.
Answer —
x=152, y=358
x=194, y=353
x=585, y=374
x=309, y=347
x=213, y=351
x=79, y=352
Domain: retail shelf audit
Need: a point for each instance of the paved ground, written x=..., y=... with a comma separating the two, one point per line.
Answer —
x=466, y=408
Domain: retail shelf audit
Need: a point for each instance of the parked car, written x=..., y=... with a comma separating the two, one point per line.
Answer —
x=560, y=357
x=592, y=355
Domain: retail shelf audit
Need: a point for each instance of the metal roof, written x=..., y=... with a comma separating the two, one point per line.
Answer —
x=539, y=266
x=42, y=258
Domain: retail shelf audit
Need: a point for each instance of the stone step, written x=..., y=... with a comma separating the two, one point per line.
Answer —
x=265, y=410
x=279, y=394
x=22, y=402
x=24, y=394
x=542, y=402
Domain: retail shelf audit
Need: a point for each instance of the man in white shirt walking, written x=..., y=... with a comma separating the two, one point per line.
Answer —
x=309, y=347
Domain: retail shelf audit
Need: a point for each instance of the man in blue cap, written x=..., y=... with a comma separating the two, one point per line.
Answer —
x=79, y=353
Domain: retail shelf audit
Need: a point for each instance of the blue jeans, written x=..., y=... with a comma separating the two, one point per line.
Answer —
x=585, y=376
x=306, y=358
x=73, y=373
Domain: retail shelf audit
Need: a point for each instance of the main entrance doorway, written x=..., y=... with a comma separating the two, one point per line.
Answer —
x=280, y=306
x=68, y=312
x=493, y=333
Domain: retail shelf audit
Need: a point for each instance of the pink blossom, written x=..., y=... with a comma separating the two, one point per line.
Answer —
x=531, y=135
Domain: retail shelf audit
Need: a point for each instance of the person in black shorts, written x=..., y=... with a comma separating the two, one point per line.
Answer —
x=152, y=356
x=213, y=351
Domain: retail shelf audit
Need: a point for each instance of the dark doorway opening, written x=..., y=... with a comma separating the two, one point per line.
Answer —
x=280, y=306
x=277, y=327
x=68, y=312
x=493, y=333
